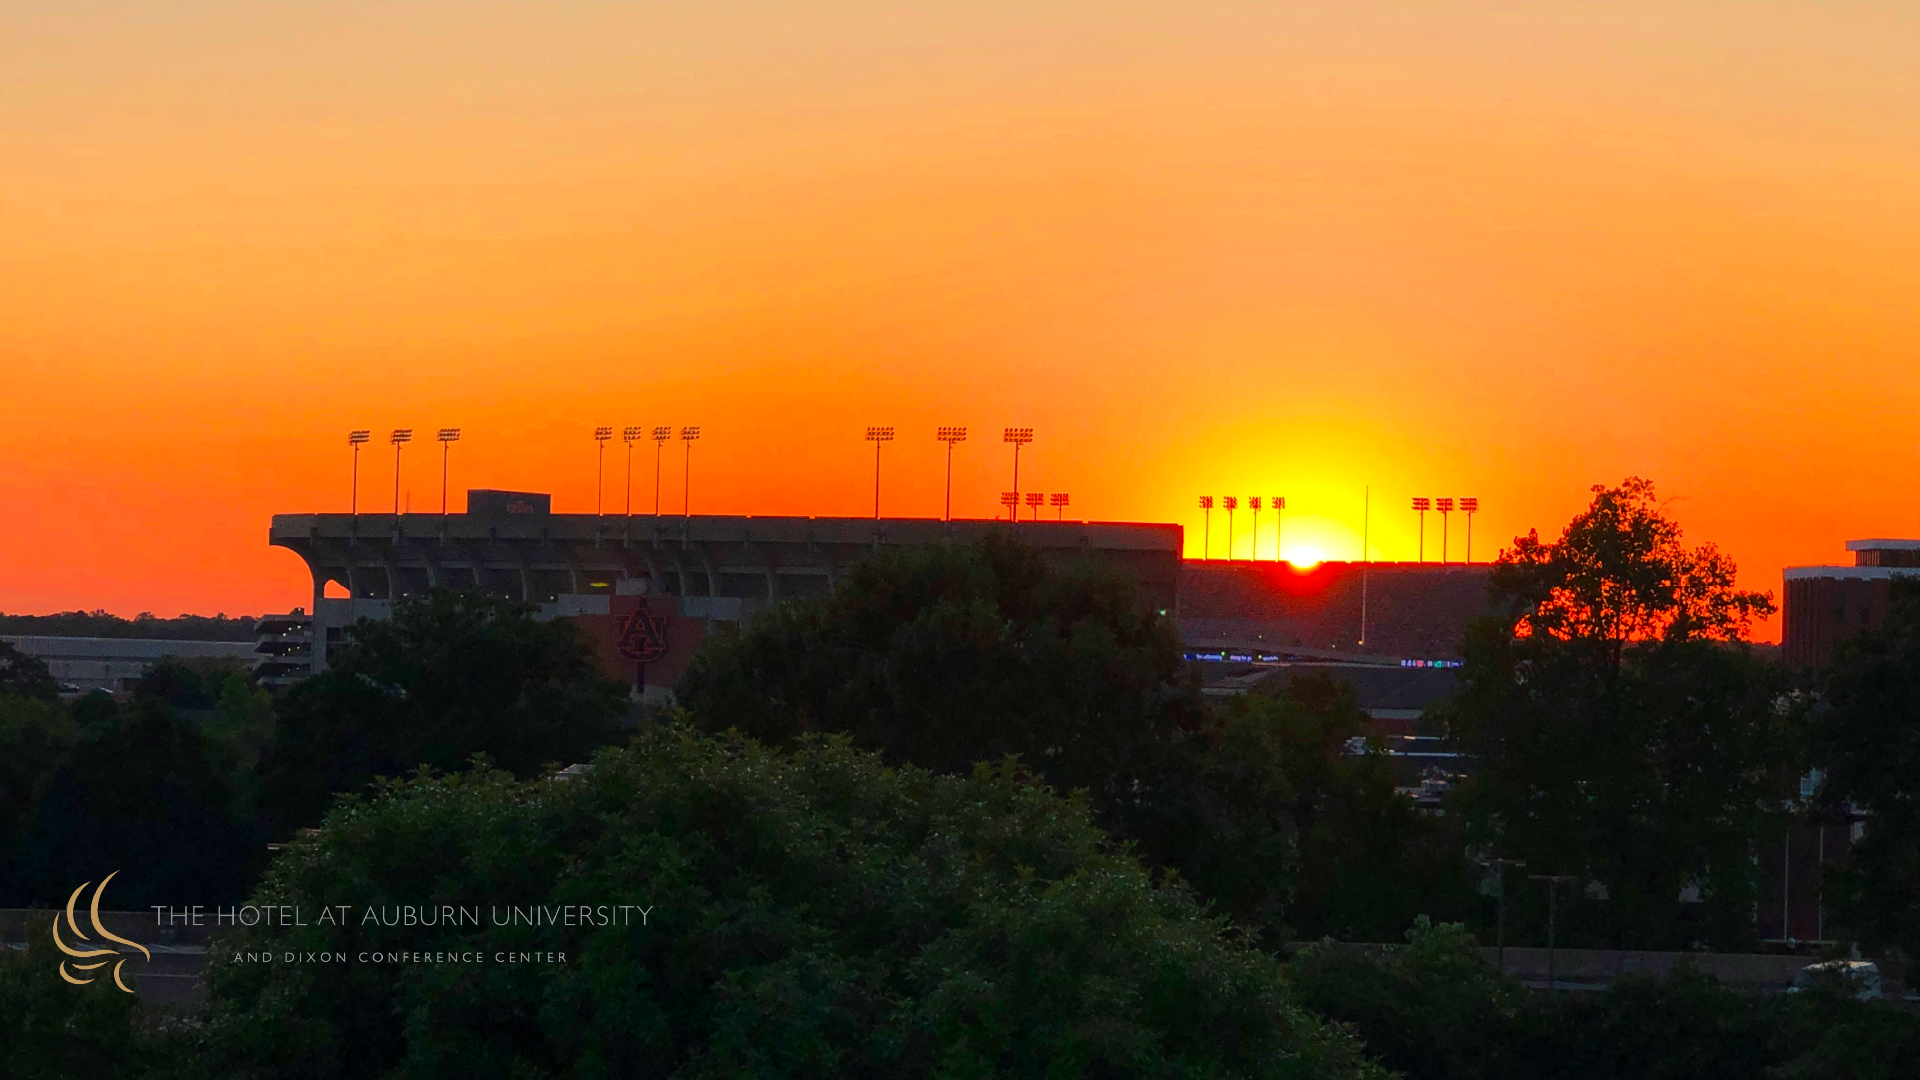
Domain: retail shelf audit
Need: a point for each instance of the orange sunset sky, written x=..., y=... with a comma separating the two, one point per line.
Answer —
x=1495, y=249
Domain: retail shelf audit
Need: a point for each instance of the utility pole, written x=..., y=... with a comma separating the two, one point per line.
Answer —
x=400, y=438
x=600, y=437
x=660, y=437
x=949, y=435
x=1499, y=867
x=1279, y=504
x=1206, y=532
x=356, y=439
x=876, y=436
x=1366, y=534
x=1019, y=437
x=448, y=436
x=1553, y=889
x=687, y=436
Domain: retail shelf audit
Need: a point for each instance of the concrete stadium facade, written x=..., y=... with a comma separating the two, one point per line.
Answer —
x=688, y=572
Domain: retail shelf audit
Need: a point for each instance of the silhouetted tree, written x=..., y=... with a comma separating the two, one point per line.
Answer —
x=141, y=794
x=452, y=674
x=27, y=676
x=1618, y=728
x=946, y=656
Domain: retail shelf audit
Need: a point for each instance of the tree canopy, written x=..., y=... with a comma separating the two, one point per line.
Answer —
x=22, y=675
x=1619, y=730
x=814, y=913
x=945, y=656
x=450, y=675
x=1619, y=573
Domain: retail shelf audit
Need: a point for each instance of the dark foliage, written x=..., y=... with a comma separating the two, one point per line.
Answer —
x=1435, y=1011
x=1621, y=732
x=1868, y=741
x=815, y=914
x=191, y=683
x=50, y=1030
x=451, y=675
x=942, y=657
x=25, y=676
x=139, y=792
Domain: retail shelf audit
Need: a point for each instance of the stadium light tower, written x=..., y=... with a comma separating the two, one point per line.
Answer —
x=629, y=435
x=1230, y=503
x=1279, y=503
x=688, y=435
x=876, y=436
x=660, y=436
x=1206, y=530
x=1445, y=506
x=1034, y=501
x=1011, y=500
x=951, y=435
x=399, y=438
x=1469, y=506
x=448, y=436
x=1059, y=500
x=1019, y=437
x=1253, y=504
x=600, y=437
x=356, y=439
x=1422, y=504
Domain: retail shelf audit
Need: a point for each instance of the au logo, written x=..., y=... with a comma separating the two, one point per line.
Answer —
x=643, y=635
x=78, y=954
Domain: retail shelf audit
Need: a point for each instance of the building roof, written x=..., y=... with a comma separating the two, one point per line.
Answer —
x=77, y=648
x=1883, y=545
x=1856, y=573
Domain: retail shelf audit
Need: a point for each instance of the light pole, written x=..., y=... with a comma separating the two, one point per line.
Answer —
x=660, y=437
x=950, y=435
x=1500, y=932
x=1206, y=530
x=876, y=436
x=1034, y=501
x=1011, y=500
x=1019, y=437
x=1553, y=889
x=1279, y=504
x=356, y=439
x=600, y=437
x=1059, y=501
x=1422, y=504
x=1366, y=555
x=448, y=436
x=1469, y=506
x=1253, y=504
x=399, y=438
x=629, y=435
x=1445, y=506
x=687, y=436
x=1230, y=503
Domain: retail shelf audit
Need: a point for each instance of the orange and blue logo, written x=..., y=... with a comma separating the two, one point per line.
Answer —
x=76, y=954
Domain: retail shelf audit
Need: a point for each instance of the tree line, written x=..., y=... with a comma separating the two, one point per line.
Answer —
x=804, y=794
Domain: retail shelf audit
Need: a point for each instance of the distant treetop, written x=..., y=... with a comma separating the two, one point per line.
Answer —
x=144, y=625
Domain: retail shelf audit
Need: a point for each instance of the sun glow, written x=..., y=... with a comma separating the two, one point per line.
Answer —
x=1304, y=557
